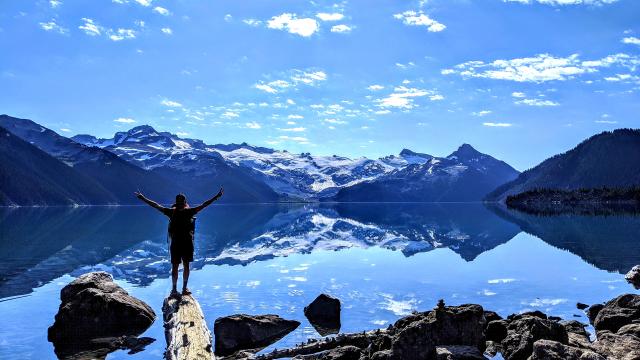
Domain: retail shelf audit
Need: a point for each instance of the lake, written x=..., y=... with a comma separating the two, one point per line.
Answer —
x=381, y=260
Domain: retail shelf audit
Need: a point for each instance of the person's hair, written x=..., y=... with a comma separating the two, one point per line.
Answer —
x=179, y=197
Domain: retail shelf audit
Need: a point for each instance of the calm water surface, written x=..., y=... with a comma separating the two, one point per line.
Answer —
x=381, y=260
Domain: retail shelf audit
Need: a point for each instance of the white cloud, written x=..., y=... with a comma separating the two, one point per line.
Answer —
x=517, y=94
x=90, y=27
x=375, y=87
x=481, y=113
x=228, y=17
x=330, y=16
x=295, y=129
x=606, y=122
x=537, y=102
x=167, y=31
x=144, y=2
x=265, y=88
x=162, y=11
x=541, y=68
x=298, y=139
x=289, y=22
x=170, y=103
x=492, y=124
x=252, y=22
x=53, y=26
x=182, y=133
x=335, y=121
x=342, y=28
x=253, y=125
x=631, y=40
x=402, y=97
x=121, y=34
x=124, y=120
x=65, y=130
x=622, y=78
x=564, y=2
x=293, y=116
x=419, y=18
x=306, y=77
x=230, y=114
x=55, y=3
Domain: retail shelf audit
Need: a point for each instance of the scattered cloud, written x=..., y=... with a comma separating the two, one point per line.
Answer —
x=403, y=97
x=375, y=87
x=162, y=11
x=517, y=94
x=304, y=27
x=541, y=68
x=170, y=103
x=55, y=3
x=564, y=2
x=481, y=113
x=65, y=130
x=631, y=40
x=419, y=18
x=493, y=124
x=253, y=125
x=294, y=129
x=167, y=31
x=53, y=26
x=537, y=102
x=295, y=77
x=606, y=122
x=342, y=28
x=330, y=16
x=252, y=22
x=123, y=120
x=90, y=27
x=298, y=139
x=121, y=34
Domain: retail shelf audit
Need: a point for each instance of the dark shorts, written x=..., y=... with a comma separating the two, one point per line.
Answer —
x=181, y=250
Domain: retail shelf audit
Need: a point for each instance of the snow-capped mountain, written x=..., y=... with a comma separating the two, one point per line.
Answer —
x=302, y=176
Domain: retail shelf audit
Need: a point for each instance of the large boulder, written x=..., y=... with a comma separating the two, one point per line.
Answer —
x=526, y=330
x=249, y=332
x=633, y=276
x=496, y=330
x=416, y=336
x=324, y=314
x=93, y=307
x=592, y=312
x=553, y=350
x=619, y=346
x=618, y=312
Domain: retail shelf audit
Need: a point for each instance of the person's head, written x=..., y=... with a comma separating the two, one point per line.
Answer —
x=181, y=202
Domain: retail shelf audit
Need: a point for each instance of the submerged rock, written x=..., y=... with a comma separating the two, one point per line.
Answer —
x=249, y=332
x=324, y=314
x=95, y=309
x=633, y=277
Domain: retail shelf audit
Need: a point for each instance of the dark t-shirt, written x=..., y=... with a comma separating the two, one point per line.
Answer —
x=180, y=222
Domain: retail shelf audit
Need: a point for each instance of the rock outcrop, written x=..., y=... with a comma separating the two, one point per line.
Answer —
x=633, y=277
x=248, y=332
x=324, y=314
x=96, y=313
x=186, y=330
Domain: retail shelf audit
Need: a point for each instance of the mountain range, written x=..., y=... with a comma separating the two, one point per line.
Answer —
x=609, y=159
x=106, y=171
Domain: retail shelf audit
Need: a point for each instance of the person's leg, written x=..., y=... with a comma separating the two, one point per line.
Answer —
x=185, y=277
x=174, y=276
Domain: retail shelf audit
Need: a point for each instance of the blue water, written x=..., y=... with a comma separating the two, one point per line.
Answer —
x=381, y=260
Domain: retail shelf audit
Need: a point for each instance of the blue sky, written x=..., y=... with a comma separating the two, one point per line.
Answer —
x=520, y=79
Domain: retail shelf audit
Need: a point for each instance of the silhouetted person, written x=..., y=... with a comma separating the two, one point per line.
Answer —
x=181, y=229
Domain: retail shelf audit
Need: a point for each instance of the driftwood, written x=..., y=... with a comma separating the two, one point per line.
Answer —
x=186, y=332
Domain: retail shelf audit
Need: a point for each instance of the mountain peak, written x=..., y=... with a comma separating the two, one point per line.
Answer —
x=142, y=129
x=406, y=152
x=464, y=152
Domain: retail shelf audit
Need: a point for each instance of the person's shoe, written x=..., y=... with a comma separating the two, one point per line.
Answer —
x=186, y=291
x=174, y=294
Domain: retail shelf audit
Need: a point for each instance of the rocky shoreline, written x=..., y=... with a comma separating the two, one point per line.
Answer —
x=444, y=333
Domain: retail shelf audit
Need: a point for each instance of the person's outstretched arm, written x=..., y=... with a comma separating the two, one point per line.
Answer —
x=149, y=201
x=210, y=201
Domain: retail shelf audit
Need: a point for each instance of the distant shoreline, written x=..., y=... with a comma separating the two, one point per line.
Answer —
x=598, y=201
x=257, y=203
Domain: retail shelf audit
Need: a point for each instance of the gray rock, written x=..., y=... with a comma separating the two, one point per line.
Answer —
x=592, y=312
x=416, y=336
x=324, y=314
x=522, y=333
x=618, y=312
x=94, y=307
x=249, y=332
x=553, y=350
x=458, y=352
x=618, y=346
x=340, y=353
x=496, y=330
x=633, y=276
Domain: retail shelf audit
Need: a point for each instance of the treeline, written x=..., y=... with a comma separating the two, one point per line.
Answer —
x=597, y=201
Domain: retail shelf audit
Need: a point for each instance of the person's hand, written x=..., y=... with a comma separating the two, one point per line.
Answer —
x=139, y=195
x=220, y=192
